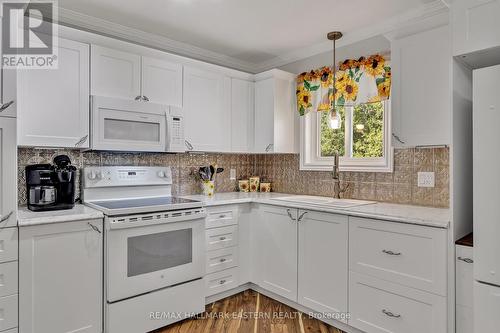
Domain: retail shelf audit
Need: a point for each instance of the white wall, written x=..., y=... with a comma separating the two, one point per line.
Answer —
x=366, y=47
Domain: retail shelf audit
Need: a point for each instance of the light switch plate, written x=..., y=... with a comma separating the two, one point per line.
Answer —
x=426, y=179
x=232, y=174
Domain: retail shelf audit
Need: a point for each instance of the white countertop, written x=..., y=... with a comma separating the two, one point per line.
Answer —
x=26, y=217
x=427, y=216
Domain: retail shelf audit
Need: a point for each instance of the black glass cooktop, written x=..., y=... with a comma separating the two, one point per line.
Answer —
x=146, y=202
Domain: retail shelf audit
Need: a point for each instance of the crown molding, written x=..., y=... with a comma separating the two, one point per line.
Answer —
x=386, y=28
x=111, y=29
x=411, y=17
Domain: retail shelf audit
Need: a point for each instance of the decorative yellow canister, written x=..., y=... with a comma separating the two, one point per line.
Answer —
x=243, y=185
x=265, y=187
x=254, y=184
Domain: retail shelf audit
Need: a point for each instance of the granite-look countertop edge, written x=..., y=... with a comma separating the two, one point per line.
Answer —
x=25, y=217
x=417, y=215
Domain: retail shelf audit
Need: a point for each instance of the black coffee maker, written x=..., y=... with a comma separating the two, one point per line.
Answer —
x=51, y=187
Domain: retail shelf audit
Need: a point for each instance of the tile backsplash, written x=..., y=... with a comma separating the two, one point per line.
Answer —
x=280, y=169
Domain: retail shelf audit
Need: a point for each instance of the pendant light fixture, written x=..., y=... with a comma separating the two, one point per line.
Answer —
x=335, y=120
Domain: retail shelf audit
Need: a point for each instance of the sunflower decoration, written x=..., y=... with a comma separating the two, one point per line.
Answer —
x=325, y=76
x=374, y=65
x=384, y=84
x=350, y=90
x=303, y=99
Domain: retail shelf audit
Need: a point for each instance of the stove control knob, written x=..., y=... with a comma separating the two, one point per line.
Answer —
x=161, y=174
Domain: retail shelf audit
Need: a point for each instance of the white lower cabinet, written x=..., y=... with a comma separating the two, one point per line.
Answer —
x=61, y=277
x=322, y=264
x=276, y=257
x=486, y=308
x=464, y=310
x=379, y=306
x=8, y=311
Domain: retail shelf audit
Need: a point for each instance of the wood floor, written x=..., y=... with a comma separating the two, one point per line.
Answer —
x=250, y=312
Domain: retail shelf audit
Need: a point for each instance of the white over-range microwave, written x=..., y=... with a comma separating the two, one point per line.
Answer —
x=126, y=125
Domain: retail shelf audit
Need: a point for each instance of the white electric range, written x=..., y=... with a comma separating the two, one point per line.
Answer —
x=153, y=247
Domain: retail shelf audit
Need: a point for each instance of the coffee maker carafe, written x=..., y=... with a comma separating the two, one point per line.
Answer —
x=51, y=187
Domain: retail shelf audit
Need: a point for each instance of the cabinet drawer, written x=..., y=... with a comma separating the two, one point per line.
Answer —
x=221, y=216
x=464, y=275
x=410, y=255
x=8, y=312
x=220, y=238
x=8, y=278
x=221, y=281
x=219, y=260
x=378, y=306
x=8, y=244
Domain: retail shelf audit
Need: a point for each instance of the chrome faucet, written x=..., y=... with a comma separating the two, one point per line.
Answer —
x=337, y=189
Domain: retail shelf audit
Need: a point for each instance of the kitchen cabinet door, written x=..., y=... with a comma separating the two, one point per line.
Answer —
x=207, y=110
x=8, y=172
x=276, y=236
x=61, y=277
x=242, y=115
x=421, y=100
x=115, y=73
x=475, y=25
x=323, y=268
x=7, y=87
x=162, y=81
x=53, y=104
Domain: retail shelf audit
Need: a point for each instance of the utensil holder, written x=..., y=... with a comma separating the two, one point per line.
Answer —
x=208, y=187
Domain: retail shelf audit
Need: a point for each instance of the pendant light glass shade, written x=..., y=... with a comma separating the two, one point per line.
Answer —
x=334, y=119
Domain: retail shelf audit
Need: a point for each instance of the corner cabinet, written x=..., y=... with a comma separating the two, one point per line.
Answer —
x=48, y=98
x=242, y=115
x=475, y=25
x=131, y=76
x=421, y=89
x=276, y=117
x=207, y=110
x=61, y=277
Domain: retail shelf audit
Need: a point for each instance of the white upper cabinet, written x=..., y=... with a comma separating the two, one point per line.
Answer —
x=115, y=73
x=8, y=172
x=207, y=110
x=276, y=118
x=53, y=104
x=476, y=26
x=7, y=87
x=421, y=89
x=242, y=115
x=132, y=76
x=162, y=81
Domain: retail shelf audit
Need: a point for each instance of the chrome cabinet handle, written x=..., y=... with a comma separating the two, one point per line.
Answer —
x=222, y=216
x=145, y=99
x=391, y=253
x=222, y=281
x=301, y=216
x=223, y=260
x=188, y=145
x=398, y=139
x=467, y=260
x=81, y=141
x=269, y=146
x=6, y=217
x=222, y=238
x=290, y=215
x=5, y=106
x=390, y=314
x=95, y=228
x=138, y=98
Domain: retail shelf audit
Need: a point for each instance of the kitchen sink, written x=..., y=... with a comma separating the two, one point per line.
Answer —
x=324, y=201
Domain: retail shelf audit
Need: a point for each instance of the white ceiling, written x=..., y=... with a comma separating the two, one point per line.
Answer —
x=254, y=33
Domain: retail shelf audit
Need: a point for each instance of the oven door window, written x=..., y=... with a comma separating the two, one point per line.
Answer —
x=157, y=252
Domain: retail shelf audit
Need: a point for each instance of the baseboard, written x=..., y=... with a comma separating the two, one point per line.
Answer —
x=335, y=323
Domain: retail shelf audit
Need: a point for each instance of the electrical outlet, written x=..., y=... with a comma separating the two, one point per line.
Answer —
x=426, y=179
x=232, y=174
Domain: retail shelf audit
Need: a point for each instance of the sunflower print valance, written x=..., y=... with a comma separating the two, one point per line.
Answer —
x=365, y=80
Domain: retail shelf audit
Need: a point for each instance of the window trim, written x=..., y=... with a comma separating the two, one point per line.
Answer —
x=310, y=148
